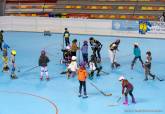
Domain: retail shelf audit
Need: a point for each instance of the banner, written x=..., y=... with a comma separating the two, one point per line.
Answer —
x=125, y=25
x=157, y=27
x=151, y=27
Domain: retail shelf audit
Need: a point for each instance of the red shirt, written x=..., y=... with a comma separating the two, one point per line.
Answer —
x=127, y=85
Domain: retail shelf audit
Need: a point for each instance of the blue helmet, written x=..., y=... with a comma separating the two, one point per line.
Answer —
x=82, y=64
x=5, y=46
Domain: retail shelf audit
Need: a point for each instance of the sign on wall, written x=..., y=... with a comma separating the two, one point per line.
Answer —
x=125, y=25
x=151, y=27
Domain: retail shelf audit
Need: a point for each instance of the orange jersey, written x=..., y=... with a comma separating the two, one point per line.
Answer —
x=82, y=74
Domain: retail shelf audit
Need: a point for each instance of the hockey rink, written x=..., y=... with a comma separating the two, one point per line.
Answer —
x=29, y=95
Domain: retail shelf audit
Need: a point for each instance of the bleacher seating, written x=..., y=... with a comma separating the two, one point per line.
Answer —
x=101, y=9
x=29, y=7
x=111, y=9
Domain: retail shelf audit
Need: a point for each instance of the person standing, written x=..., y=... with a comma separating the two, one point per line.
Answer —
x=162, y=18
x=43, y=62
x=5, y=49
x=84, y=50
x=137, y=54
x=147, y=66
x=1, y=39
x=66, y=36
x=82, y=75
x=13, y=64
x=112, y=53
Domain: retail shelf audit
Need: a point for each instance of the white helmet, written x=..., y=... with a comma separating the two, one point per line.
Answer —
x=68, y=47
x=74, y=58
x=137, y=44
x=113, y=45
x=121, y=78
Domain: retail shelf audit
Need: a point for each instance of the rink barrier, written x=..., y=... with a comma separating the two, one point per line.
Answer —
x=123, y=28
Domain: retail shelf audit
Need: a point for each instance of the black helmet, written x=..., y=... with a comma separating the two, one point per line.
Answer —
x=75, y=40
x=66, y=28
x=148, y=53
x=117, y=41
x=91, y=38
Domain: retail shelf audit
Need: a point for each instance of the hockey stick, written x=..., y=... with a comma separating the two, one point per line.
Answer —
x=104, y=72
x=159, y=78
x=100, y=90
x=18, y=69
x=31, y=69
x=119, y=99
x=117, y=102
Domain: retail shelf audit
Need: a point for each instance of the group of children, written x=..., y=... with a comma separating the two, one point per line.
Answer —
x=113, y=48
x=94, y=63
x=6, y=67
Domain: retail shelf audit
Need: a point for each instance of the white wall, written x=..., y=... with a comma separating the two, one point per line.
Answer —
x=75, y=26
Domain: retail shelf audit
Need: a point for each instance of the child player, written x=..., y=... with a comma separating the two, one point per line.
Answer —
x=92, y=66
x=147, y=66
x=84, y=50
x=112, y=54
x=137, y=53
x=5, y=49
x=66, y=55
x=98, y=66
x=66, y=36
x=72, y=68
x=96, y=47
x=5, y=64
x=13, y=64
x=127, y=88
x=74, y=47
x=82, y=75
x=43, y=62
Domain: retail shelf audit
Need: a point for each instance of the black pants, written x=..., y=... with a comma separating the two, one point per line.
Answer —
x=134, y=60
x=129, y=92
x=98, y=69
x=82, y=84
x=147, y=68
x=67, y=41
x=85, y=57
x=1, y=46
x=97, y=50
x=73, y=53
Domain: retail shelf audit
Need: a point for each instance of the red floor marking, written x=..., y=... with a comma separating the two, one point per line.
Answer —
x=37, y=96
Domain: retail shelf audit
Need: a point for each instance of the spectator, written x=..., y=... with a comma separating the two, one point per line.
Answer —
x=162, y=18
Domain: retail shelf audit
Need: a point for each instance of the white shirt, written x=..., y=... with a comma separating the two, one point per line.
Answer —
x=92, y=66
x=73, y=66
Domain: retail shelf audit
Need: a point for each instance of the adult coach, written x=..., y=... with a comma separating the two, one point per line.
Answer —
x=1, y=39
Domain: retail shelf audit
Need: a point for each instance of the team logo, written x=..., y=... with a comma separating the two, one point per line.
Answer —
x=144, y=26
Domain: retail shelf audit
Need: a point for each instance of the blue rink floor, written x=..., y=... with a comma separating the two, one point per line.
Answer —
x=29, y=95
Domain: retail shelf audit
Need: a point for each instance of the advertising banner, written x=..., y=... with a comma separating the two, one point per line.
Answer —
x=151, y=27
x=125, y=25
